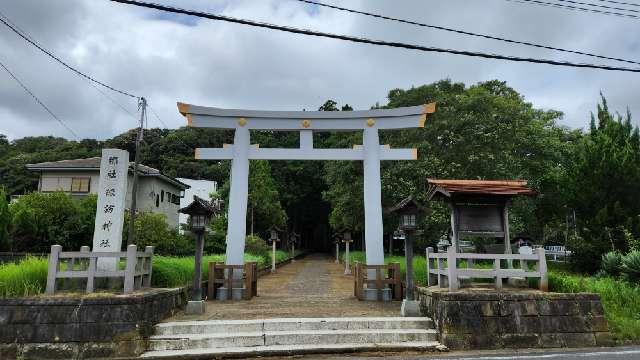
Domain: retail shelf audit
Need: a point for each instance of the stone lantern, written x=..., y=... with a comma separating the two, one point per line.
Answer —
x=408, y=211
x=200, y=212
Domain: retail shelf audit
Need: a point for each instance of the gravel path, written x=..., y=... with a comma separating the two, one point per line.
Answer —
x=313, y=286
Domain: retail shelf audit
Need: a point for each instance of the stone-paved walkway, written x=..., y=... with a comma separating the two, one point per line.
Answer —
x=313, y=286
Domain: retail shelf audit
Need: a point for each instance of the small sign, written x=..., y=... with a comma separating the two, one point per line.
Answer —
x=112, y=193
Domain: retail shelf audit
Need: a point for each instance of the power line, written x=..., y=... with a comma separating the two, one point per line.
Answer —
x=596, y=5
x=39, y=101
x=619, y=2
x=575, y=8
x=368, y=41
x=51, y=55
x=457, y=31
x=94, y=85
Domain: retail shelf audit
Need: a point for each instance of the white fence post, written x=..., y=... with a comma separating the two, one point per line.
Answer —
x=53, y=268
x=149, y=266
x=130, y=269
x=498, y=277
x=542, y=269
x=428, y=251
x=452, y=268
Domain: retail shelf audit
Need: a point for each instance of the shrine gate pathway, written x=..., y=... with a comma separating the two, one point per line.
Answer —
x=314, y=286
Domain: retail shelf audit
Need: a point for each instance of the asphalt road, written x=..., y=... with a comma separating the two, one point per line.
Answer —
x=618, y=353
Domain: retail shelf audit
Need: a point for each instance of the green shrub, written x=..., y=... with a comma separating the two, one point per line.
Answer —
x=25, y=278
x=631, y=267
x=40, y=220
x=152, y=230
x=611, y=264
x=257, y=246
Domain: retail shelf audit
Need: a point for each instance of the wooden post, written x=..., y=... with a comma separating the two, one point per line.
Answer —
x=337, y=252
x=130, y=269
x=53, y=268
x=408, y=255
x=452, y=268
x=496, y=269
x=211, y=281
x=542, y=269
x=426, y=256
x=149, y=266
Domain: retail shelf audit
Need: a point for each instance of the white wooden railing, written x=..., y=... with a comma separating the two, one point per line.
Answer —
x=83, y=265
x=451, y=273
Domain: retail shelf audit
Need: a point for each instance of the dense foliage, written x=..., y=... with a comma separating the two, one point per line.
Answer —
x=588, y=180
x=39, y=220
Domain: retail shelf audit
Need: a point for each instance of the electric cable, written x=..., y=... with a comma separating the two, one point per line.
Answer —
x=309, y=32
x=457, y=31
x=26, y=89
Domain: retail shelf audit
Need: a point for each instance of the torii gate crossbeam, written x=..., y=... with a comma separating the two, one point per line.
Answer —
x=306, y=122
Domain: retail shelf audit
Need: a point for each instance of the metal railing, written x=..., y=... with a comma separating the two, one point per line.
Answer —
x=83, y=264
x=557, y=250
x=449, y=273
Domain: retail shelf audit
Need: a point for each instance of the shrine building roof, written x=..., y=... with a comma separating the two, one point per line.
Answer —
x=501, y=188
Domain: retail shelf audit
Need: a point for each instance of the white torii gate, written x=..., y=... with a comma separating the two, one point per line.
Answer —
x=306, y=122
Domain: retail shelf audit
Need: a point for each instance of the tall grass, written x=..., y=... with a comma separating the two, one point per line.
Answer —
x=27, y=277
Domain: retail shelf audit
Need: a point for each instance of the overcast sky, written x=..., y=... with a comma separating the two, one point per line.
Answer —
x=168, y=58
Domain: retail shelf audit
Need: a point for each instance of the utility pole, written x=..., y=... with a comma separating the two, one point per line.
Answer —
x=142, y=104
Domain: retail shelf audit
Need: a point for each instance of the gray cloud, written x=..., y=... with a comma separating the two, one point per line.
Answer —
x=169, y=59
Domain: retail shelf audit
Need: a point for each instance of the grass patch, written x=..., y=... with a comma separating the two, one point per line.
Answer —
x=27, y=277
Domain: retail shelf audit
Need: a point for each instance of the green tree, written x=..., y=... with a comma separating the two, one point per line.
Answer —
x=602, y=186
x=5, y=221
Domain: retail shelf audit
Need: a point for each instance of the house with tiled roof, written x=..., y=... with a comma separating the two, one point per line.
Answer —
x=157, y=193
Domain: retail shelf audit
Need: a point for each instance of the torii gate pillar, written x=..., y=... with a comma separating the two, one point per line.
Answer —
x=238, y=196
x=373, y=231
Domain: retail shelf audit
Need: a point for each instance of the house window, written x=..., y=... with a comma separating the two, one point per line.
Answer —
x=157, y=200
x=162, y=196
x=80, y=185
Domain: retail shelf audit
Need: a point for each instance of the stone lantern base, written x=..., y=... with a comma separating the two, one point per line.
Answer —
x=236, y=294
x=195, y=307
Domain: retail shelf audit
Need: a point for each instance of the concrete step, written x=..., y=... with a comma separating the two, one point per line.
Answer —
x=298, y=337
x=288, y=350
x=291, y=324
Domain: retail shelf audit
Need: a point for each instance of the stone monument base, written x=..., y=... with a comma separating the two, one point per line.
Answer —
x=372, y=294
x=410, y=308
x=195, y=307
x=236, y=293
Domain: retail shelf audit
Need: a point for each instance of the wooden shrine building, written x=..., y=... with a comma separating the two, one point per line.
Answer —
x=479, y=208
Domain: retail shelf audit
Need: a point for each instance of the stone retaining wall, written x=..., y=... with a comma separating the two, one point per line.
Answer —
x=83, y=327
x=471, y=319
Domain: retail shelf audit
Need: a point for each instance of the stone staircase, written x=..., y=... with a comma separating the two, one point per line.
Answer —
x=291, y=336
